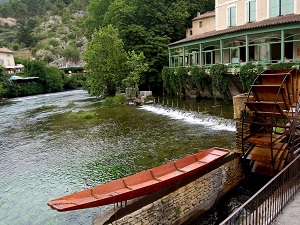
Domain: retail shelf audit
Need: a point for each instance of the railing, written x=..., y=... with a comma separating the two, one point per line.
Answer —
x=264, y=207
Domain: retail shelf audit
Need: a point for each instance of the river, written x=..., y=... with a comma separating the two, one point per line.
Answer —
x=47, y=150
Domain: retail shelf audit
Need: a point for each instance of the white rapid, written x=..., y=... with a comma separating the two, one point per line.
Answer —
x=204, y=119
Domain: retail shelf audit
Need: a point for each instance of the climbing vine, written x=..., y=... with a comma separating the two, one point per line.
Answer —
x=166, y=77
x=217, y=74
x=200, y=79
x=175, y=79
x=285, y=65
x=248, y=73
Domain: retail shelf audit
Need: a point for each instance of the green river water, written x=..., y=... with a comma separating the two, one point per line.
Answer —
x=46, y=151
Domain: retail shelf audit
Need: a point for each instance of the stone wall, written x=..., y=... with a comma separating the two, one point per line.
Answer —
x=190, y=200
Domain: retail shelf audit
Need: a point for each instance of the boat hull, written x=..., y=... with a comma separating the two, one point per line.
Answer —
x=140, y=184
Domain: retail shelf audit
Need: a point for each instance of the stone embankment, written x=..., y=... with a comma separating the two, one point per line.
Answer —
x=182, y=201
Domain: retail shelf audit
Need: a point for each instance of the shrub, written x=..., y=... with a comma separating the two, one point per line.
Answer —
x=120, y=99
x=108, y=101
x=82, y=114
x=54, y=42
x=15, y=46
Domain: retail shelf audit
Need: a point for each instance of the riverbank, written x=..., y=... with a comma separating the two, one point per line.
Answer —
x=4, y=101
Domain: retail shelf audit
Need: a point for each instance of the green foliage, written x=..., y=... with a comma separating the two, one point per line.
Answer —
x=116, y=100
x=217, y=74
x=106, y=59
x=97, y=10
x=25, y=31
x=69, y=82
x=82, y=114
x=108, y=101
x=120, y=99
x=72, y=69
x=285, y=65
x=166, y=77
x=175, y=79
x=47, y=107
x=3, y=90
x=71, y=53
x=15, y=46
x=54, y=42
x=146, y=26
x=54, y=81
x=36, y=69
x=201, y=79
x=247, y=74
x=3, y=83
x=74, y=81
x=17, y=90
x=137, y=67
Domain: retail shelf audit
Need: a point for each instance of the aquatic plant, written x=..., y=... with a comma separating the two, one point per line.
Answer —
x=120, y=99
x=46, y=107
x=82, y=114
x=108, y=101
x=71, y=104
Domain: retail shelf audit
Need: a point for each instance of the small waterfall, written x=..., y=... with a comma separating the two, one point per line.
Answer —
x=191, y=117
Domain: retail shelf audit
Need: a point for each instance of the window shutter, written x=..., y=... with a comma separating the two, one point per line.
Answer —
x=233, y=16
x=247, y=12
x=252, y=10
x=228, y=17
x=287, y=7
x=274, y=8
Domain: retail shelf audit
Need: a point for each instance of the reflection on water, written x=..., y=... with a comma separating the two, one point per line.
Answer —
x=46, y=153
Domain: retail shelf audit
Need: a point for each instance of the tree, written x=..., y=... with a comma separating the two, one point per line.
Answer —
x=106, y=59
x=54, y=80
x=137, y=66
x=71, y=54
x=147, y=26
x=25, y=32
x=77, y=5
x=97, y=10
x=3, y=83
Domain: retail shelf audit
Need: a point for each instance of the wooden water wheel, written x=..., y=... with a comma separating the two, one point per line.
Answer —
x=271, y=121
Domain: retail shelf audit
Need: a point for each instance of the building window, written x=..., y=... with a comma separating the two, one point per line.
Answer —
x=281, y=7
x=191, y=32
x=1, y=62
x=231, y=15
x=200, y=24
x=251, y=11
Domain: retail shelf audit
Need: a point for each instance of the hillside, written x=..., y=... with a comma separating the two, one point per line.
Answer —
x=54, y=35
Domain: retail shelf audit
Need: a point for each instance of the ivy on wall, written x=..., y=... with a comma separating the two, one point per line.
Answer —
x=219, y=80
x=248, y=73
x=201, y=79
x=176, y=79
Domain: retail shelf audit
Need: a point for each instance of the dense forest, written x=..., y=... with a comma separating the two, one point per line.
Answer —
x=55, y=29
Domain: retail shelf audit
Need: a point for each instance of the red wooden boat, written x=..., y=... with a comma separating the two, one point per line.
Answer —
x=139, y=184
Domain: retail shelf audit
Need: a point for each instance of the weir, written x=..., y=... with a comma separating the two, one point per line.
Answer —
x=193, y=117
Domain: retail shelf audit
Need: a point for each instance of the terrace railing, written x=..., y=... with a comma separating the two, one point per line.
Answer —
x=265, y=206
